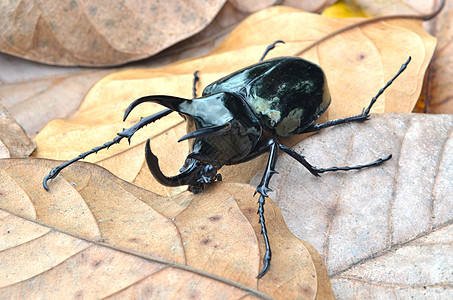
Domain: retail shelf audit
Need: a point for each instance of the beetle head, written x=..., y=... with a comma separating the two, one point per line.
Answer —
x=223, y=130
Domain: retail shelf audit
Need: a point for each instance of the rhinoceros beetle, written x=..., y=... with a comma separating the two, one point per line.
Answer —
x=240, y=117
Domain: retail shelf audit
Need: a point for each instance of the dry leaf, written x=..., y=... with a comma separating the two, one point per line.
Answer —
x=82, y=236
x=438, y=93
x=45, y=99
x=382, y=231
x=250, y=6
x=4, y=152
x=367, y=62
x=26, y=85
x=308, y=5
x=13, y=140
x=57, y=91
x=394, y=7
x=99, y=33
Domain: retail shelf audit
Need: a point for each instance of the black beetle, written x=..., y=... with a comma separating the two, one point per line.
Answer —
x=232, y=121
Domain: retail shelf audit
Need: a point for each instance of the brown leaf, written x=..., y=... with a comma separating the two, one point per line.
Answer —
x=82, y=236
x=13, y=140
x=4, y=152
x=384, y=230
x=99, y=33
x=438, y=93
x=57, y=92
x=36, y=101
x=367, y=62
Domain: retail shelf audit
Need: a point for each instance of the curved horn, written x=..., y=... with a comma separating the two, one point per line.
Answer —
x=167, y=101
x=208, y=131
x=188, y=177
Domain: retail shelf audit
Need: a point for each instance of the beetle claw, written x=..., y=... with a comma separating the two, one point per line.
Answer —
x=266, y=264
x=52, y=174
x=219, y=177
x=45, y=180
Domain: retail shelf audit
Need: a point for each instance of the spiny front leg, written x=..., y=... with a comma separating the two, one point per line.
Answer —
x=126, y=133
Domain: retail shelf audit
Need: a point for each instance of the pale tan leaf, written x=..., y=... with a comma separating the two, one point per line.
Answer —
x=308, y=5
x=84, y=236
x=366, y=58
x=437, y=92
x=373, y=227
x=35, y=102
x=420, y=269
x=395, y=7
x=99, y=33
x=13, y=140
x=4, y=152
x=250, y=6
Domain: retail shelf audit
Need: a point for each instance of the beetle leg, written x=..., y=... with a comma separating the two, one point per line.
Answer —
x=195, y=80
x=125, y=133
x=262, y=189
x=365, y=112
x=315, y=171
x=142, y=123
x=358, y=167
x=272, y=145
x=269, y=48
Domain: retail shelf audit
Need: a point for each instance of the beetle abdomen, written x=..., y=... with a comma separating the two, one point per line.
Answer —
x=287, y=94
x=295, y=95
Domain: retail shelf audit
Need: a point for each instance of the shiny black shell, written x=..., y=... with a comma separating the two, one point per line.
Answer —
x=287, y=94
